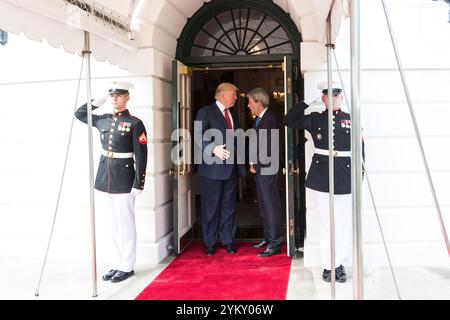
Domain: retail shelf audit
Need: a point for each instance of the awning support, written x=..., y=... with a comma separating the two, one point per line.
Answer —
x=87, y=56
x=330, y=46
x=356, y=148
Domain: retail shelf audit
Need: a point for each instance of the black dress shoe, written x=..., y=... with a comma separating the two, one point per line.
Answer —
x=107, y=276
x=269, y=252
x=341, y=276
x=260, y=245
x=209, y=251
x=121, y=275
x=230, y=248
x=326, y=275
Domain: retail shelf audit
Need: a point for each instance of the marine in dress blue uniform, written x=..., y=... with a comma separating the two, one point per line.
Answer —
x=120, y=175
x=316, y=123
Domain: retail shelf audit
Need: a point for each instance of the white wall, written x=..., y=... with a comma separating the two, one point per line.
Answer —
x=38, y=87
x=393, y=161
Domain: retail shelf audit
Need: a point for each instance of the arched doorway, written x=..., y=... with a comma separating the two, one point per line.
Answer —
x=251, y=43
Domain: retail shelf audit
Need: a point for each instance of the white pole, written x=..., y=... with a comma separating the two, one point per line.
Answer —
x=86, y=54
x=356, y=147
x=331, y=156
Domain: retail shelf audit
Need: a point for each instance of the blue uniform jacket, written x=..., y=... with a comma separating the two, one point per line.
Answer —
x=122, y=133
x=317, y=125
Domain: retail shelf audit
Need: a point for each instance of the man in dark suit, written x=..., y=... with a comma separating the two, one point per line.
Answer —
x=266, y=172
x=218, y=169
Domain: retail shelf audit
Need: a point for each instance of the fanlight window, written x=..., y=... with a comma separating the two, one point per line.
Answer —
x=242, y=31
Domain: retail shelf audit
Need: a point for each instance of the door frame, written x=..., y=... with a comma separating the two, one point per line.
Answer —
x=295, y=208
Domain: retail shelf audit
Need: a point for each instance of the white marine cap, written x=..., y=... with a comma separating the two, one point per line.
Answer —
x=336, y=85
x=120, y=87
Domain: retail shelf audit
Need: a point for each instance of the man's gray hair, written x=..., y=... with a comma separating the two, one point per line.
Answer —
x=259, y=95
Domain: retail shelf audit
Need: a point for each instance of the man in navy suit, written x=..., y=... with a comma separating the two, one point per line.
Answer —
x=218, y=169
x=265, y=167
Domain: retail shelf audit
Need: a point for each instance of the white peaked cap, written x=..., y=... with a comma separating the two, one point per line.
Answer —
x=324, y=85
x=120, y=87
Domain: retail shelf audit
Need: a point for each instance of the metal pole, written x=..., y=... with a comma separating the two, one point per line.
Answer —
x=329, y=46
x=356, y=147
x=416, y=128
x=371, y=192
x=86, y=54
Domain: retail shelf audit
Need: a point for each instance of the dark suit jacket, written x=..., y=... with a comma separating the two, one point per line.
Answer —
x=269, y=123
x=211, y=118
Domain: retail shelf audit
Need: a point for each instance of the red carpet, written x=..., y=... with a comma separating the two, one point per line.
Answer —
x=223, y=276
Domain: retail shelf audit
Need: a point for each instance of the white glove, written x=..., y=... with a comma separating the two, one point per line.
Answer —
x=100, y=101
x=135, y=192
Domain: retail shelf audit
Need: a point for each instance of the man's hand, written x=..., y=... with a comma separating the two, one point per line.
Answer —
x=135, y=192
x=252, y=169
x=221, y=152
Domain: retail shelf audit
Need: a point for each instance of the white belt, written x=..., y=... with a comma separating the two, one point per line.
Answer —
x=121, y=155
x=335, y=153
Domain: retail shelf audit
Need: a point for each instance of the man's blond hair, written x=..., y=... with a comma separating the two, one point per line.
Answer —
x=225, y=86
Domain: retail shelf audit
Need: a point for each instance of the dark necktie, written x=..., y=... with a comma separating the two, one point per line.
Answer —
x=258, y=120
x=227, y=119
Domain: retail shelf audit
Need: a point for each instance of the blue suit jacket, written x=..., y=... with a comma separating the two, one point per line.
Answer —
x=211, y=118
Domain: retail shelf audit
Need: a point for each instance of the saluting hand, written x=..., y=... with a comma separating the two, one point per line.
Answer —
x=100, y=101
x=221, y=152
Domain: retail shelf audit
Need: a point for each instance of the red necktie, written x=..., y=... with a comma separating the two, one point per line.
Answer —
x=227, y=119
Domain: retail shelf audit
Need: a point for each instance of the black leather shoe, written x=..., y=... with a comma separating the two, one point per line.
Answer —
x=230, y=248
x=326, y=275
x=209, y=251
x=269, y=252
x=107, y=276
x=260, y=245
x=121, y=275
x=341, y=276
